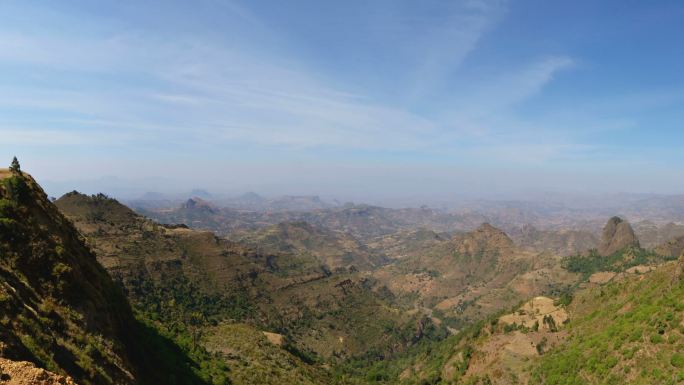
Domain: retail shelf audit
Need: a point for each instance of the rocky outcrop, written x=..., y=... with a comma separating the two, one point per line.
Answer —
x=26, y=373
x=617, y=234
x=199, y=204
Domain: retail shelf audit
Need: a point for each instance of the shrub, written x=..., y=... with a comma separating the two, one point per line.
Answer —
x=657, y=339
x=677, y=360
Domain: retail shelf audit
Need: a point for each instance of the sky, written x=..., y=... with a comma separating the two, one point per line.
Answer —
x=351, y=99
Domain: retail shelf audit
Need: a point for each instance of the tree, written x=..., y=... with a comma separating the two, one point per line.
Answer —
x=14, y=167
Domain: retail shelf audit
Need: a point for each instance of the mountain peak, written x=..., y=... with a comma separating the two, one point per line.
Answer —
x=99, y=207
x=617, y=234
x=197, y=203
x=486, y=227
x=485, y=240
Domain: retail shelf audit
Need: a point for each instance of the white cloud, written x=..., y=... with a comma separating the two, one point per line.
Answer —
x=192, y=92
x=443, y=47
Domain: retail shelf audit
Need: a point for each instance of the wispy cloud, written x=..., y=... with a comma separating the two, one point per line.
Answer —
x=221, y=94
x=448, y=43
x=196, y=91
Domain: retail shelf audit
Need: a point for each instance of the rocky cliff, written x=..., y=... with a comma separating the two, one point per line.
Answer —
x=617, y=234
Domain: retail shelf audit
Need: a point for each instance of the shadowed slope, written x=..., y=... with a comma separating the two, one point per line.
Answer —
x=61, y=310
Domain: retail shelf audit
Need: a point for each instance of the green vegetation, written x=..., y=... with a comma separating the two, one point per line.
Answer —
x=253, y=360
x=61, y=310
x=587, y=265
x=424, y=363
x=14, y=167
x=626, y=332
x=185, y=283
x=429, y=362
x=197, y=320
x=179, y=345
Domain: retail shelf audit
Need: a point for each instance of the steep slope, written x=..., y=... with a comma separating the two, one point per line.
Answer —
x=260, y=358
x=141, y=252
x=617, y=235
x=628, y=331
x=60, y=309
x=189, y=277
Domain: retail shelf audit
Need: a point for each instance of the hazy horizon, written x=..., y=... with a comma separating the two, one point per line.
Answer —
x=166, y=189
x=389, y=101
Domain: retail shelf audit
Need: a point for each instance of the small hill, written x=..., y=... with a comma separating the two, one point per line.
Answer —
x=200, y=205
x=617, y=235
x=247, y=201
x=485, y=242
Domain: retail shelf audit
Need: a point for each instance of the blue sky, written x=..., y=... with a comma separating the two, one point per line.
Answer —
x=347, y=98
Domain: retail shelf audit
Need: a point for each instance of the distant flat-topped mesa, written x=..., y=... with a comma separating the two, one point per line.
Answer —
x=617, y=234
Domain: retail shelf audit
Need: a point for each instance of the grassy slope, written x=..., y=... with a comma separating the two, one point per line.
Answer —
x=60, y=309
x=629, y=331
x=256, y=361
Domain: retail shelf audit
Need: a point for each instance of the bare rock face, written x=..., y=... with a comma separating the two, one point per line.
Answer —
x=617, y=234
x=25, y=373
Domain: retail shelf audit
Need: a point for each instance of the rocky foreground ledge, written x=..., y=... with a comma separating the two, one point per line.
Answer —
x=25, y=373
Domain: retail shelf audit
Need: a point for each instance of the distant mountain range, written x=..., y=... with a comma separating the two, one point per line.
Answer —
x=93, y=292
